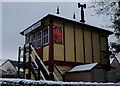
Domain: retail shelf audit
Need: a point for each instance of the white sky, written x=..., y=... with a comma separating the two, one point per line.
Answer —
x=17, y=16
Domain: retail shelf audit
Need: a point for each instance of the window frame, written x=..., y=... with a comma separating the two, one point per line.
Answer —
x=39, y=39
x=31, y=40
x=27, y=40
x=45, y=35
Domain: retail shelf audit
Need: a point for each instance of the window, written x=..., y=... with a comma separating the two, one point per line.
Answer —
x=27, y=39
x=45, y=35
x=58, y=35
x=39, y=39
x=33, y=39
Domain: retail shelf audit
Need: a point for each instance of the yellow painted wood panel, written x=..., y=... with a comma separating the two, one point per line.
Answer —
x=33, y=55
x=103, y=43
x=79, y=44
x=88, y=47
x=26, y=72
x=59, y=52
x=96, y=46
x=69, y=42
x=45, y=53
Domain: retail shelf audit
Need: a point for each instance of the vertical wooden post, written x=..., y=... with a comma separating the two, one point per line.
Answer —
x=19, y=52
x=24, y=60
x=51, y=50
x=29, y=65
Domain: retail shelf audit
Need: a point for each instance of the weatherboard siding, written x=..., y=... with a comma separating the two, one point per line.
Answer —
x=88, y=47
x=96, y=46
x=79, y=44
x=46, y=53
x=59, y=52
x=69, y=42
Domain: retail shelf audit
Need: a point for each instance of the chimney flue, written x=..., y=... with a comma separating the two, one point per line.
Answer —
x=58, y=10
x=82, y=12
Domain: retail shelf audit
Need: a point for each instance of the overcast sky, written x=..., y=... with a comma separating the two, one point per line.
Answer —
x=18, y=16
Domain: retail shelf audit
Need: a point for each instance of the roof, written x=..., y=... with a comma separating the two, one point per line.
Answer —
x=85, y=67
x=117, y=58
x=2, y=61
x=14, y=63
x=67, y=19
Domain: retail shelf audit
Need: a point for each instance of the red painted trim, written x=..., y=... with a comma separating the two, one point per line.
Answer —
x=64, y=38
x=83, y=43
x=74, y=44
x=63, y=63
x=92, y=46
x=51, y=46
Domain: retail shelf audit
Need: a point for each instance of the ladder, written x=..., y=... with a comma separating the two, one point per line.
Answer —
x=37, y=68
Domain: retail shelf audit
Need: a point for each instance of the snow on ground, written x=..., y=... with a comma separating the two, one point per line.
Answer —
x=5, y=80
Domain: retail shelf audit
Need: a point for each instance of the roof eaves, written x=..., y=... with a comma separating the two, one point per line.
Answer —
x=62, y=17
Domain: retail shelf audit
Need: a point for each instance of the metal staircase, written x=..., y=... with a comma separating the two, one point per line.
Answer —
x=37, y=68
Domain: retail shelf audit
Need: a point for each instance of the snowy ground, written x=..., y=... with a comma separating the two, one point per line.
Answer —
x=25, y=82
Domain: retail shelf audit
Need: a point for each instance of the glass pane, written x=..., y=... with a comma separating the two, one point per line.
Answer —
x=39, y=44
x=33, y=44
x=27, y=39
x=46, y=39
x=39, y=35
x=45, y=31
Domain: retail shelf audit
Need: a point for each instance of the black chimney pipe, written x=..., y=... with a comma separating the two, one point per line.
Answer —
x=82, y=12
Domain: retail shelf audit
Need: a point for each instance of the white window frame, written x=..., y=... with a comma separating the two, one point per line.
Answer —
x=27, y=39
x=31, y=40
x=46, y=35
x=38, y=40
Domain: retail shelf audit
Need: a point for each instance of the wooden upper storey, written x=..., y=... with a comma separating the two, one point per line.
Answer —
x=66, y=40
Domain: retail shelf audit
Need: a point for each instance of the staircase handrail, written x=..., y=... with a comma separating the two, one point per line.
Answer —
x=37, y=67
x=60, y=72
x=55, y=76
x=39, y=59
